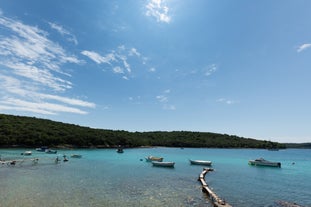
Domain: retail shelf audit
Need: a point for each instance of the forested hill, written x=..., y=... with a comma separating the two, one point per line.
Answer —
x=22, y=131
x=298, y=145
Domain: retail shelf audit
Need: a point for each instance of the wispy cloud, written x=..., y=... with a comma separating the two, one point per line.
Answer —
x=303, y=47
x=201, y=73
x=28, y=53
x=135, y=100
x=118, y=70
x=108, y=58
x=70, y=37
x=38, y=107
x=118, y=59
x=152, y=69
x=210, y=69
x=33, y=71
x=20, y=95
x=158, y=10
x=133, y=51
x=164, y=100
x=226, y=101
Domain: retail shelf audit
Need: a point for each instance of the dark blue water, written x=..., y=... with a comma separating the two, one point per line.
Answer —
x=107, y=178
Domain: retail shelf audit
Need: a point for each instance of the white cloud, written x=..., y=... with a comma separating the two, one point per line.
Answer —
x=210, y=69
x=169, y=107
x=118, y=70
x=164, y=101
x=226, y=101
x=40, y=76
x=22, y=96
x=133, y=51
x=119, y=59
x=64, y=32
x=22, y=108
x=70, y=101
x=126, y=64
x=152, y=69
x=135, y=100
x=158, y=10
x=121, y=47
x=43, y=107
x=27, y=50
x=303, y=47
x=162, y=98
x=98, y=58
x=125, y=77
x=30, y=43
x=33, y=71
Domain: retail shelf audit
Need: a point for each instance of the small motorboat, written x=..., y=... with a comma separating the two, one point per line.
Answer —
x=76, y=156
x=163, y=164
x=49, y=151
x=201, y=162
x=263, y=162
x=153, y=158
x=65, y=158
x=42, y=149
x=26, y=153
x=119, y=150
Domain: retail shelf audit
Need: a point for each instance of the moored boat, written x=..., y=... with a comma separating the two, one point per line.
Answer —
x=119, y=150
x=200, y=162
x=263, y=162
x=42, y=149
x=163, y=164
x=26, y=153
x=76, y=156
x=49, y=151
x=153, y=158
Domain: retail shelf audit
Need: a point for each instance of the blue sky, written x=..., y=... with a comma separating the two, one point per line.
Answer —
x=234, y=67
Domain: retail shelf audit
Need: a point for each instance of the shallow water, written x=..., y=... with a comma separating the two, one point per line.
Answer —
x=106, y=178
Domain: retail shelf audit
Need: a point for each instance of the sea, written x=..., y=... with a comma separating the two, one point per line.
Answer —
x=103, y=177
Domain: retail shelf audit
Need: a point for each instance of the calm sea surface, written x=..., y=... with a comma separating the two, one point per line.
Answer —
x=103, y=177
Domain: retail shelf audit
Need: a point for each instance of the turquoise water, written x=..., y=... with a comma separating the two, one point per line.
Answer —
x=106, y=178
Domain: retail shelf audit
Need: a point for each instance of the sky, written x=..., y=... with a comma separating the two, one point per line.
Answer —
x=231, y=67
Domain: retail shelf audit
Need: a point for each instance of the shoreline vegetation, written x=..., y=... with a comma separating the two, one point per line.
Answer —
x=24, y=132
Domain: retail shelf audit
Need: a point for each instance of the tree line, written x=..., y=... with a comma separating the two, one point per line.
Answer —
x=21, y=131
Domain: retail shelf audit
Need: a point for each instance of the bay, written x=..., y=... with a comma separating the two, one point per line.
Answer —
x=103, y=177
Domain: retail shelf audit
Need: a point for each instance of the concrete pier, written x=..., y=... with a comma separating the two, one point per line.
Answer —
x=217, y=202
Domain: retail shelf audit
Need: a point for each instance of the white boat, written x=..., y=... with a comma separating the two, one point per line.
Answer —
x=201, y=162
x=42, y=149
x=76, y=156
x=163, y=164
x=49, y=151
x=26, y=153
x=263, y=162
x=153, y=158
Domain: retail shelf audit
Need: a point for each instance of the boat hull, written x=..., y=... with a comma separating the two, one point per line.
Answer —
x=163, y=164
x=120, y=150
x=49, y=151
x=201, y=162
x=26, y=153
x=76, y=156
x=262, y=162
x=152, y=158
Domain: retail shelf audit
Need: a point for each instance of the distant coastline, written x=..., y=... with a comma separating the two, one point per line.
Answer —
x=24, y=132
